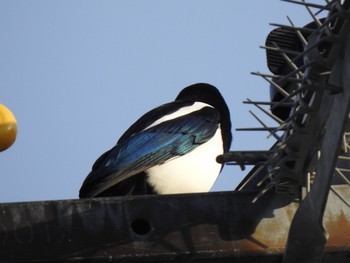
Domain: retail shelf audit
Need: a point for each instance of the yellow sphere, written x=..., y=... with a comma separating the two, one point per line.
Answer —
x=8, y=128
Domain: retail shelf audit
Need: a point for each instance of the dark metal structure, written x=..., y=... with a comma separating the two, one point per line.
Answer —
x=214, y=227
x=293, y=206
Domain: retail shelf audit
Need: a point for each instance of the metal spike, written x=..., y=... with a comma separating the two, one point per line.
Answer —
x=259, y=129
x=342, y=175
x=303, y=88
x=249, y=101
x=274, y=117
x=326, y=7
x=345, y=144
x=293, y=28
x=262, y=192
x=325, y=24
x=300, y=35
x=289, y=77
x=344, y=170
x=289, y=61
x=282, y=127
x=341, y=157
x=276, y=167
x=305, y=4
x=317, y=21
x=308, y=49
x=308, y=182
x=347, y=147
x=326, y=73
x=263, y=124
x=266, y=177
x=279, y=77
x=287, y=51
x=265, y=75
x=252, y=177
x=261, y=167
x=286, y=104
x=294, y=115
x=276, y=86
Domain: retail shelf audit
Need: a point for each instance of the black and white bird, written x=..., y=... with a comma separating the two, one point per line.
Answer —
x=171, y=149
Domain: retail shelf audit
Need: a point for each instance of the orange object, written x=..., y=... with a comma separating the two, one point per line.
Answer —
x=8, y=128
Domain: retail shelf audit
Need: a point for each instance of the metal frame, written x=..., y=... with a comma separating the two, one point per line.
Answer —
x=211, y=227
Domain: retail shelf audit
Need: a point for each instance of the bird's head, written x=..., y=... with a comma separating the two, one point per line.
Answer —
x=203, y=92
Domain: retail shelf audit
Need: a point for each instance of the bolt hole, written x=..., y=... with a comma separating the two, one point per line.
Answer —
x=141, y=226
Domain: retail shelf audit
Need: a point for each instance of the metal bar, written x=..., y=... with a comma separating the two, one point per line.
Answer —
x=276, y=76
x=211, y=227
x=342, y=175
x=305, y=4
x=272, y=116
x=286, y=104
x=287, y=51
x=265, y=126
x=276, y=86
x=316, y=20
x=300, y=35
x=260, y=129
x=341, y=157
x=172, y=228
x=244, y=157
x=290, y=62
x=307, y=236
x=293, y=28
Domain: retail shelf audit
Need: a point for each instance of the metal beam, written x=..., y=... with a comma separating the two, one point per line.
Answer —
x=213, y=227
x=308, y=236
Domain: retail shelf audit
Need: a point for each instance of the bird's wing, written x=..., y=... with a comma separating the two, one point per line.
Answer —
x=148, y=118
x=151, y=147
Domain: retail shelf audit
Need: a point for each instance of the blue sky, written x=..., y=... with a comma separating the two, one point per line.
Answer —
x=77, y=74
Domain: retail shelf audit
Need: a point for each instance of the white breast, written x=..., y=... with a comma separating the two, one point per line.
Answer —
x=192, y=172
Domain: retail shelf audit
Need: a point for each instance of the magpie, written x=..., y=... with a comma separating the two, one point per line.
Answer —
x=170, y=149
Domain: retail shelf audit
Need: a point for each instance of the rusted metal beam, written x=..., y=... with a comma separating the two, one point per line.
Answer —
x=307, y=235
x=213, y=227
